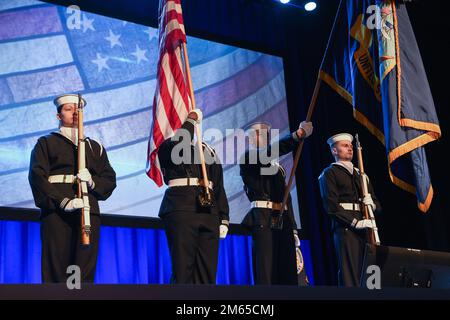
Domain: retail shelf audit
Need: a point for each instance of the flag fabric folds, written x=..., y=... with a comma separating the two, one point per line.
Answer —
x=373, y=61
x=171, y=102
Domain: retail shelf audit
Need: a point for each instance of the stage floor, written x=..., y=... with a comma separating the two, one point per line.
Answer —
x=207, y=292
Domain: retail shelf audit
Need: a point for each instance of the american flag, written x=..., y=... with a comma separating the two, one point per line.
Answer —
x=171, y=102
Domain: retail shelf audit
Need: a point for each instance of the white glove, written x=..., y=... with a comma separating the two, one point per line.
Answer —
x=223, y=230
x=85, y=175
x=307, y=128
x=199, y=114
x=364, y=224
x=297, y=240
x=74, y=204
x=368, y=201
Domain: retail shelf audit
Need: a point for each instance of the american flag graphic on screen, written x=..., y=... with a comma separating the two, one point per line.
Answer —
x=113, y=64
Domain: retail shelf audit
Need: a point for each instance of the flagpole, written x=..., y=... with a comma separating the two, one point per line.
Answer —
x=198, y=131
x=312, y=105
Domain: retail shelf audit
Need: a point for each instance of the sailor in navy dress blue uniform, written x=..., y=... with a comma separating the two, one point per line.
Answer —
x=53, y=174
x=340, y=188
x=192, y=227
x=276, y=251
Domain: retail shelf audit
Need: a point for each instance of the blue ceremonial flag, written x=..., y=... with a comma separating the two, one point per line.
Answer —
x=373, y=61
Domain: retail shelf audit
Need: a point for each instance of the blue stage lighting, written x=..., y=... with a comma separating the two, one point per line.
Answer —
x=285, y=1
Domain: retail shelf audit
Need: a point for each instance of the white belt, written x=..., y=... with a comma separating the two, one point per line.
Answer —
x=62, y=178
x=267, y=205
x=350, y=206
x=182, y=182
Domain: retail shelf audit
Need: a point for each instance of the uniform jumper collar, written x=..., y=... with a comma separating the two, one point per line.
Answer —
x=348, y=165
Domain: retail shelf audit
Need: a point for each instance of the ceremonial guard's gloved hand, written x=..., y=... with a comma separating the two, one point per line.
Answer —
x=368, y=201
x=364, y=224
x=198, y=117
x=223, y=230
x=305, y=129
x=74, y=204
x=297, y=240
x=85, y=175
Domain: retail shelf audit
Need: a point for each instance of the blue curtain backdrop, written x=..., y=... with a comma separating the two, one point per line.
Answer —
x=126, y=256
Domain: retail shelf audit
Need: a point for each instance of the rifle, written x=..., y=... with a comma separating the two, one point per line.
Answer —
x=372, y=234
x=82, y=185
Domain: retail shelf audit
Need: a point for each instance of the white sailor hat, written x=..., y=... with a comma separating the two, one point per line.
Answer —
x=258, y=125
x=340, y=137
x=68, y=98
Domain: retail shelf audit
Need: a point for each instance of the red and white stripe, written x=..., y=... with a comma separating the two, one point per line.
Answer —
x=171, y=102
